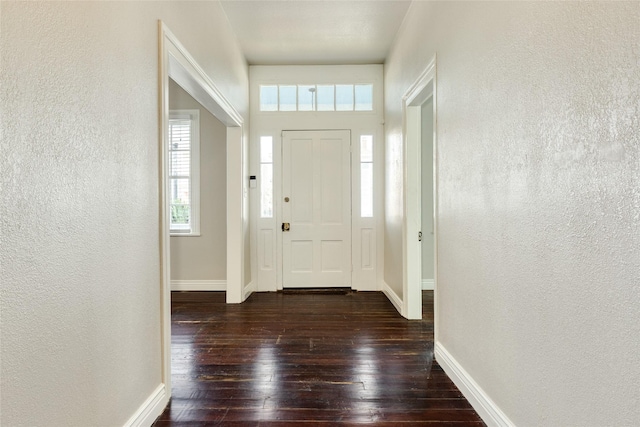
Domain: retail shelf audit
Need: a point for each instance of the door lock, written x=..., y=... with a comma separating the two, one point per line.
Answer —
x=286, y=226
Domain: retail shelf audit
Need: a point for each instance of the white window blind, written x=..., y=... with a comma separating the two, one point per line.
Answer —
x=184, y=177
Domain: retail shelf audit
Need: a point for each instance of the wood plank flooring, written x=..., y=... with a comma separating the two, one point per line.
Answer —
x=306, y=359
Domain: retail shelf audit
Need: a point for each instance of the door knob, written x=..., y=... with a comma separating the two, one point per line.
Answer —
x=286, y=226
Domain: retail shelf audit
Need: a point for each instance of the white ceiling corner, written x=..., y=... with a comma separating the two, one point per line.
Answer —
x=298, y=32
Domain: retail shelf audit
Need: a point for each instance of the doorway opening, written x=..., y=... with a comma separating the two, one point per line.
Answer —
x=420, y=227
x=310, y=99
x=177, y=65
x=427, y=201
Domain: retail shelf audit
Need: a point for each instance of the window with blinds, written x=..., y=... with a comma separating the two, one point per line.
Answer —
x=184, y=160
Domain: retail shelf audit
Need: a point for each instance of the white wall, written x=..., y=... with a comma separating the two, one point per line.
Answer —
x=539, y=200
x=204, y=257
x=79, y=215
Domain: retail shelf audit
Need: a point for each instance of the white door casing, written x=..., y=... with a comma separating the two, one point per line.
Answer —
x=316, y=205
x=422, y=89
x=366, y=232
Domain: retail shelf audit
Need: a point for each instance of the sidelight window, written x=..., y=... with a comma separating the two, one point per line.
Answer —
x=266, y=177
x=366, y=176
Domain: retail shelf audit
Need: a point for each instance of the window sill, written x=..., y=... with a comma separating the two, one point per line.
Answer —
x=184, y=234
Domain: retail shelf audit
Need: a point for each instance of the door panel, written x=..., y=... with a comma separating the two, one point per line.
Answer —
x=301, y=180
x=316, y=181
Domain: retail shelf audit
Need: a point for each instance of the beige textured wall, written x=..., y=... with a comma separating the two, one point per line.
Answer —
x=539, y=187
x=80, y=285
x=204, y=257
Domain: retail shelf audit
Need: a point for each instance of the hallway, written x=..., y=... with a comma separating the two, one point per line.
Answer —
x=317, y=359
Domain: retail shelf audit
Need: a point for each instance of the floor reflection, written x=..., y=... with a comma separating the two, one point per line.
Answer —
x=294, y=359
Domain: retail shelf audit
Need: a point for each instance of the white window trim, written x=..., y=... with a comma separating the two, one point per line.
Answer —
x=194, y=116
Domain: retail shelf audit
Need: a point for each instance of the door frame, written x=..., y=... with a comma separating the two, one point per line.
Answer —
x=176, y=62
x=279, y=209
x=368, y=235
x=420, y=91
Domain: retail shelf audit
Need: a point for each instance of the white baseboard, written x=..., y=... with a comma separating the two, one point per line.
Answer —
x=198, y=285
x=248, y=290
x=393, y=297
x=428, y=284
x=150, y=410
x=481, y=402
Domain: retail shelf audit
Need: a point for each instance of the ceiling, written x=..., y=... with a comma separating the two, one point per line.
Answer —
x=298, y=32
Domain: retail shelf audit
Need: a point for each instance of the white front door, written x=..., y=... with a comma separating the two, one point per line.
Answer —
x=316, y=209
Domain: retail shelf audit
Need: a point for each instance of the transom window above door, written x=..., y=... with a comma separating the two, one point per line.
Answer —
x=319, y=97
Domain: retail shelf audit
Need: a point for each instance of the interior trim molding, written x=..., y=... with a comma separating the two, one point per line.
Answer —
x=393, y=297
x=423, y=88
x=249, y=289
x=428, y=284
x=198, y=285
x=481, y=402
x=185, y=70
x=151, y=408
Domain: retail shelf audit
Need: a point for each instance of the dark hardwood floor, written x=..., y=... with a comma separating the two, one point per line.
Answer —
x=306, y=359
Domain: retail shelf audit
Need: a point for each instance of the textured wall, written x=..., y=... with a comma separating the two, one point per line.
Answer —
x=204, y=257
x=80, y=296
x=393, y=203
x=539, y=186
